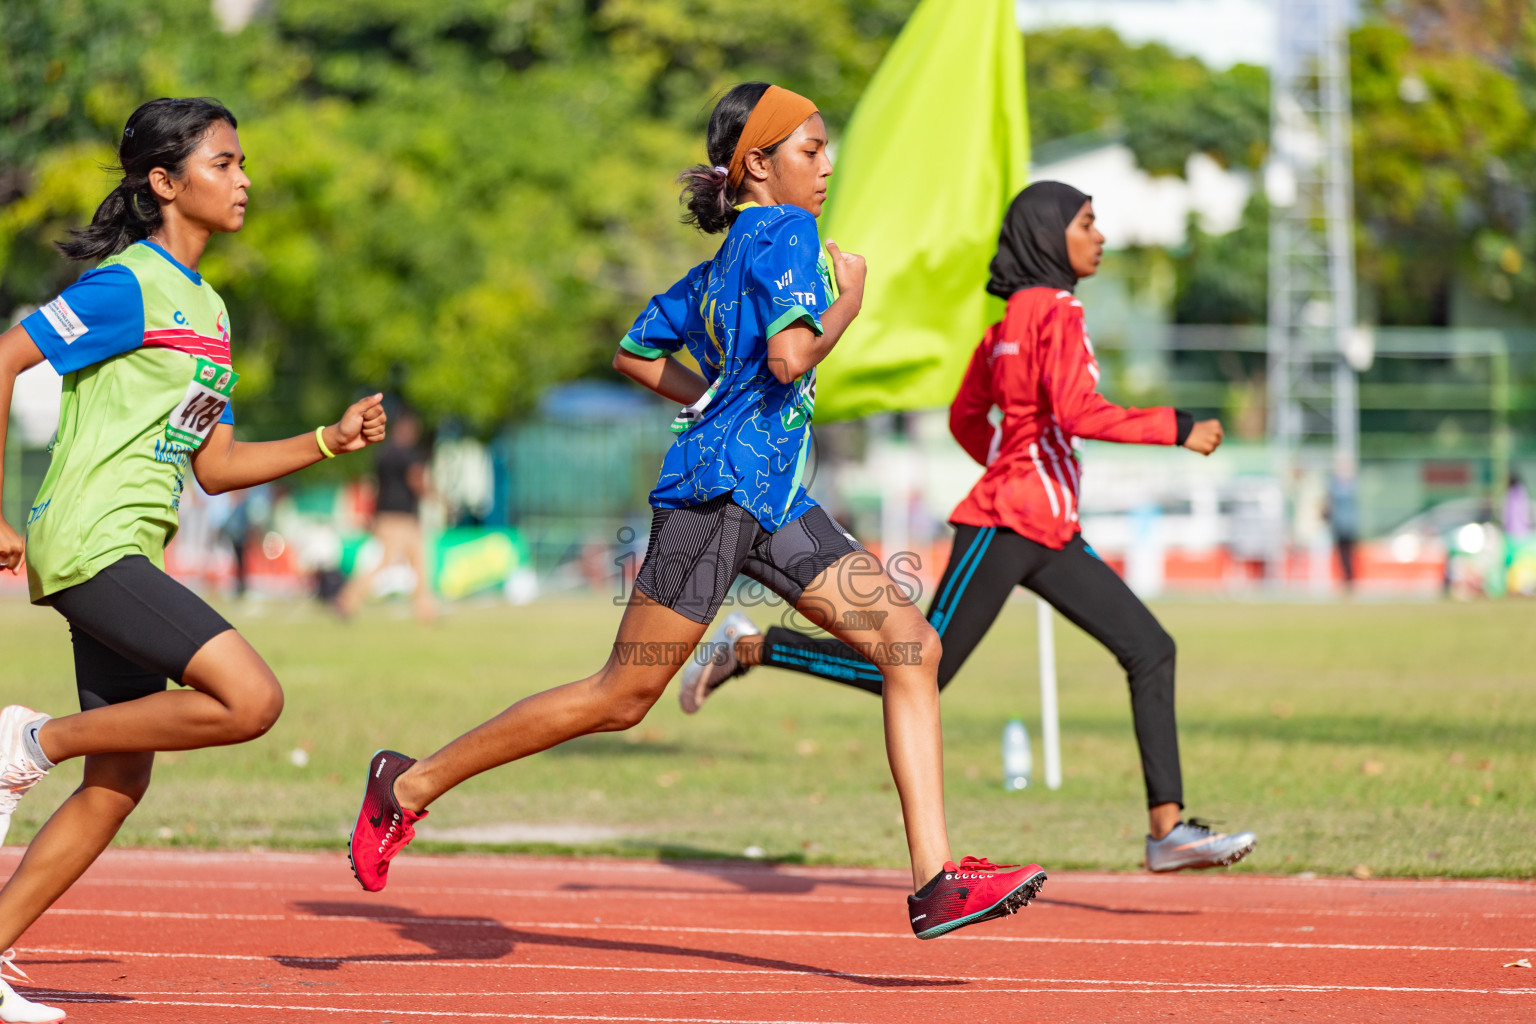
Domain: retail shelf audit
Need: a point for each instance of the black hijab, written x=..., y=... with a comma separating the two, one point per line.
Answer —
x=1032, y=245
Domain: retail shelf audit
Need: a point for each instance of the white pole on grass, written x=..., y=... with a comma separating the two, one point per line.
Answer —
x=1050, y=729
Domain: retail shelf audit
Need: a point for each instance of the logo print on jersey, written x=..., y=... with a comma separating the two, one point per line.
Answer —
x=222, y=327
x=63, y=319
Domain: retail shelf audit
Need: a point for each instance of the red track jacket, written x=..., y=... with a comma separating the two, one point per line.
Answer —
x=1038, y=366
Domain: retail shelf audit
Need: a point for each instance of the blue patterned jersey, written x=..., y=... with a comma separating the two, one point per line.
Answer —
x=749, y=435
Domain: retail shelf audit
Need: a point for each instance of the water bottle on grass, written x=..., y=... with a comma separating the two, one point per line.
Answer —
x=1017, y=761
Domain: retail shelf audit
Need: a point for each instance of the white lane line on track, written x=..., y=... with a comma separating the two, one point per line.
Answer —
x=606, y=894
x=610, y=894
x=508, y=864
x=511, y=863
x=384, y=958
x=853, y=977
x=536, y=926
x=494, y=1015
x=968, y=980
x=393, y=1012
x=1020, y=985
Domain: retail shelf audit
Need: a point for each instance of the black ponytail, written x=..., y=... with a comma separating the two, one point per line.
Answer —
x=707, y=192
x=161, y=133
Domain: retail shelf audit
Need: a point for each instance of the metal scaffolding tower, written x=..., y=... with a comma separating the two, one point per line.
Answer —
x=1312, y=331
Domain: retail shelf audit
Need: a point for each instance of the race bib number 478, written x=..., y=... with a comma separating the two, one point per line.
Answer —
x=205, y=401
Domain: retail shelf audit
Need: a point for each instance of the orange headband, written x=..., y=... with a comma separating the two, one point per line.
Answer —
x=777, y=114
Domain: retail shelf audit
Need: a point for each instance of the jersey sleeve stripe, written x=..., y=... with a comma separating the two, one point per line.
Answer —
x=788, y=317
x=630, y=345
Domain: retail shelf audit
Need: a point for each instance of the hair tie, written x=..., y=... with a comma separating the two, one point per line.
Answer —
x=128, y=132
x=724, y=172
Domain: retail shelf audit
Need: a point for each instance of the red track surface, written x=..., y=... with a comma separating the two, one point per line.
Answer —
x=166, y=936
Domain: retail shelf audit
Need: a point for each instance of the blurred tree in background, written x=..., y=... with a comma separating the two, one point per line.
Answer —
x=462, y=201
x=1165, y=107
x=467, y=200
x=1444, y=147
x=1445, y=155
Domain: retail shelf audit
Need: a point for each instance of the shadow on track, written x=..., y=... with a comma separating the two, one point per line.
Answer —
x=746, y=876
x=482, y=938
x=1103, y=909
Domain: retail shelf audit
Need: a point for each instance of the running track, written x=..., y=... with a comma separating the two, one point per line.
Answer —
x=168, y=936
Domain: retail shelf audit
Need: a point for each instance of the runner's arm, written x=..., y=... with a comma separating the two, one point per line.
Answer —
x=797, y=348
x=224, y=464
x=968, y=412
x=18, y=352
x=668, y=376
x=1070, y=374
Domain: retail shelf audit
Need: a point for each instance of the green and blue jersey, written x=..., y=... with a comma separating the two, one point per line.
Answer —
x=749, y=435
x=143, y=345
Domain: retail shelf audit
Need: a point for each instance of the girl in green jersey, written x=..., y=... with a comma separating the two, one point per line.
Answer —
x=142, y=343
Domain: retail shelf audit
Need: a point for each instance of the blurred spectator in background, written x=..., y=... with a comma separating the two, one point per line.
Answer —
x=401, y=472
x=1517, y=510
x=1344, y=516
x=463, y=477
x=245, y=520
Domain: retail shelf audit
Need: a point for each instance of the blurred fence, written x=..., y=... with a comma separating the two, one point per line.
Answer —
x=1444, y=412
x=1446, y=416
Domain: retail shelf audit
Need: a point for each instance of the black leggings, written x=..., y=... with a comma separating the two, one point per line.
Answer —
x=985, y=564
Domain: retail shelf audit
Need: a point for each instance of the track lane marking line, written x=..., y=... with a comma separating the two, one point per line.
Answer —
x=1044, y=902
x=537, y=926
x=1023, y=985
x=543, y=866
x=446, y=1013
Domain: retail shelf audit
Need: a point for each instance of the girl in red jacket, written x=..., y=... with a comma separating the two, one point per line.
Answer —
x=1018, y=526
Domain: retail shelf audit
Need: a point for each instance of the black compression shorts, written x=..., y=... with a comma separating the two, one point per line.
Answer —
x=696, y=553
x=132, y=627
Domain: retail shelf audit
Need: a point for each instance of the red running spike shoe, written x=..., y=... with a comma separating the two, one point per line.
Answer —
x=383, y=827
x=975, y=890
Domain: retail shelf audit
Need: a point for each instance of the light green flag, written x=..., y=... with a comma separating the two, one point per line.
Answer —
x=937, y=148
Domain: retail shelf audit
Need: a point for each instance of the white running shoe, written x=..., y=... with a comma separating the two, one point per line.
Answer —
x=18, y=772
x=703, y=677
x=16, y=1008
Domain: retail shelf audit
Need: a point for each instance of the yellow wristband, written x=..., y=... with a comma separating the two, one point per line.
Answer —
x=320, y=440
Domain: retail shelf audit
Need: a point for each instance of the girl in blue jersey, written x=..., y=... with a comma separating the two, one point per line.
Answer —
x=758, y=317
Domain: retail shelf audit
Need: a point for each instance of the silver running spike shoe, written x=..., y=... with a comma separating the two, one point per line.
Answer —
x=18, y=772
x=715, y=662
x=1194, y=844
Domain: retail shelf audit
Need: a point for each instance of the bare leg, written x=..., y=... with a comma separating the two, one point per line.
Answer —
x=72, y=838
x=749, y=650
x=234, y=698
x=355, y=591
x=899, y=640
x=416, y=555
x=1162, y=818
x=653, y=643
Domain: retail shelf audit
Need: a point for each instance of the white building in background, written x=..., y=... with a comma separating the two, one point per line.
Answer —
x=1135, y=208
x=1219, y=32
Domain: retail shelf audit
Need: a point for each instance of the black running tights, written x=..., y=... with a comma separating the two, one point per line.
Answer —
x=985, y=564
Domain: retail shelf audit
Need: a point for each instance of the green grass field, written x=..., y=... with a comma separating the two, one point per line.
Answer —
x=1400, y=738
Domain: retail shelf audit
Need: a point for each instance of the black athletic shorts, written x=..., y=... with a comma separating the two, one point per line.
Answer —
x=132, y=627
x=696, y=553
